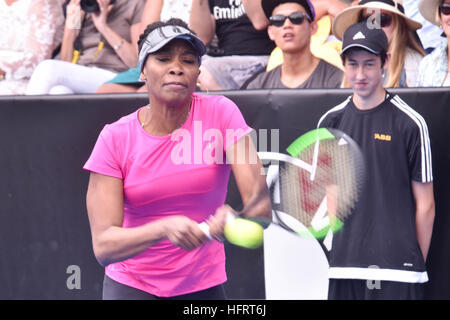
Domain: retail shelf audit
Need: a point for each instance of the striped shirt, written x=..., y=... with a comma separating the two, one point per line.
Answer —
x=379, y=241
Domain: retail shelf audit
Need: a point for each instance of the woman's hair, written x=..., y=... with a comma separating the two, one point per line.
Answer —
x=159, y=24
x=401, y=39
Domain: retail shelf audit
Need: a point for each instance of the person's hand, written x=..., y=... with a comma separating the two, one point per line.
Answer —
x=184, y=232
x=2, y=74
x=217, y=221
x=100, y=18
x=74, y=15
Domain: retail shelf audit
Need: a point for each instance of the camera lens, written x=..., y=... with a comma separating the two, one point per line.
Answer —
x=89, y=6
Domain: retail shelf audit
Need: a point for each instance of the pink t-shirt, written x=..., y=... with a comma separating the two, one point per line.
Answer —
x=184, y=173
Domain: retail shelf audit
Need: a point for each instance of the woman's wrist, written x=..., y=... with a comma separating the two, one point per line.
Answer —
x=70, y=34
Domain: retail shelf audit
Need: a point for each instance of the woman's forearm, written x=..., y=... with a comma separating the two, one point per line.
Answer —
x=126, y=51
x=116, y=243
x=67, y=45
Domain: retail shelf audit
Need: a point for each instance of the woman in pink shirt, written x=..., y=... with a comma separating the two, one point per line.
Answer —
x=158, y=172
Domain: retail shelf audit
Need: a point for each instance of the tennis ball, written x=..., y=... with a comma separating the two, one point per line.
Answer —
x=244, y=233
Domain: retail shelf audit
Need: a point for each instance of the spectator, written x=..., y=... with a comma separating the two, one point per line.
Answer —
x=434, y=69
x=106, y=41
x=30, y=34
x=291, y=26
x=429, y=34
x=154, y=10
x=388, y=236
x=242, y=50
x=404, y=44
x=323, y=44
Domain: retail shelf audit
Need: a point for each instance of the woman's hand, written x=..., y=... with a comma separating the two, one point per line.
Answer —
x=100, y=18
x=184, y=232
x=217, y=221
x=74, y=16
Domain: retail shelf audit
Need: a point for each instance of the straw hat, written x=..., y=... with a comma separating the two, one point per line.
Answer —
x=349, y=16
x=430, y=10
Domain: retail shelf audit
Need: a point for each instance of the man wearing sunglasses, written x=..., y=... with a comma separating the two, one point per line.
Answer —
x=291, y=24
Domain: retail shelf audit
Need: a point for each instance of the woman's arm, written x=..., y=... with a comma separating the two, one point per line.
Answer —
x=201, y=21
x=151, y=13
x=74, y=18
x=255, y=13
x=251, y=182
x=250, y=179
x=127, y=52
x=112, y=242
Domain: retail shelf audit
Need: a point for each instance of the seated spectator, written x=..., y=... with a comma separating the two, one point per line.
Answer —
x=291, y=26
x=154, y=10
x=323, y=44
x=429, y=34
x=404, y=44
x=434, y=70
x=95, y=47
x=30, y=33
x=242, y=49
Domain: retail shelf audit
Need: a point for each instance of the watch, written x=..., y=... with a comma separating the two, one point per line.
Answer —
x=118, y=46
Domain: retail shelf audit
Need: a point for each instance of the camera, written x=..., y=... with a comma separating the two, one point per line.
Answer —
x=90, y=6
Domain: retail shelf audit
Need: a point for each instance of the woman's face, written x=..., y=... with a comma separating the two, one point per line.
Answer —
x=383, y=18
x=445, y=21
x=171, y=73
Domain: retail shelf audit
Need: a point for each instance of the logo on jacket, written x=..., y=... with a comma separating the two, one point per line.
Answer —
x=383, y=137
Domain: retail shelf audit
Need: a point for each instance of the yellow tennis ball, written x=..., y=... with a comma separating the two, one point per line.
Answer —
x=244, y=233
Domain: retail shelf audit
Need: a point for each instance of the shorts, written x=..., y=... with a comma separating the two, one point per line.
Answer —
x=113, y=290
x=355, y=289
x=231, y=72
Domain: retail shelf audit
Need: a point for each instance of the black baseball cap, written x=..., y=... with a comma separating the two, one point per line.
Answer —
x=269, y=5
x=361, y=35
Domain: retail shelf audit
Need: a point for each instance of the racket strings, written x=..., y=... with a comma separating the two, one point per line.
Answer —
x=334, y=183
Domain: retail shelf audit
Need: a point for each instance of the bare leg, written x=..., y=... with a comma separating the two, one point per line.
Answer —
x=117, y=88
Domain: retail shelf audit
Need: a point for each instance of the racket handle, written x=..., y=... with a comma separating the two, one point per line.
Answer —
x=205, y=228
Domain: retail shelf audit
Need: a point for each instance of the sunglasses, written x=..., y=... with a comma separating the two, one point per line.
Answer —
x=295, y=18
x=444, y=8
x=385, y=20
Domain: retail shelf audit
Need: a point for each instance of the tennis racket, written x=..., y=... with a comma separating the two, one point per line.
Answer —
x=315, y=187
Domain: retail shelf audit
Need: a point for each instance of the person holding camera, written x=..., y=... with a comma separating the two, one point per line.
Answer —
x=100, y=40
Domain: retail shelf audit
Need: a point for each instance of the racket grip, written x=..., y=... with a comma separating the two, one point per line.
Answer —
x=205, y=228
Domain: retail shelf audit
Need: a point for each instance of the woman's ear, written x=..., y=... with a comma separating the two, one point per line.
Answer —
x=142, y=77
